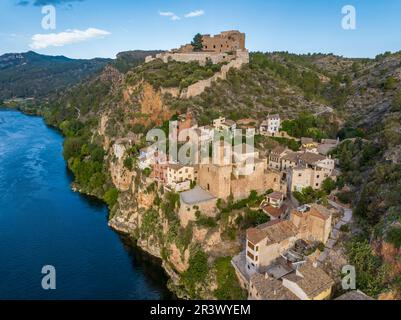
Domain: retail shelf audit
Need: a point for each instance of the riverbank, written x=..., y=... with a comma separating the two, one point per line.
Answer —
x=63, y=229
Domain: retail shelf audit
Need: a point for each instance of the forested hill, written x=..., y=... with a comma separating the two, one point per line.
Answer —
x=25, y=75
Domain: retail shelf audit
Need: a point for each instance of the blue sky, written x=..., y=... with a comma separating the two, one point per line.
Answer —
x=105, y=28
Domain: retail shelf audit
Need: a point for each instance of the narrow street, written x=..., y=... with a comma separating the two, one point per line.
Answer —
x=346, y=219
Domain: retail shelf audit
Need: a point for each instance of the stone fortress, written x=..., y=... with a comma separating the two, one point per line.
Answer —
x=227, y=47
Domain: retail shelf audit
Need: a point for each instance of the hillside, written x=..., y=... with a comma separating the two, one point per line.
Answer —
x=24, y=75
x=357, y=99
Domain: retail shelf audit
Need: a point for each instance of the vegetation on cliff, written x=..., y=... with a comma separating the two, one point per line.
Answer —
x=366, y=101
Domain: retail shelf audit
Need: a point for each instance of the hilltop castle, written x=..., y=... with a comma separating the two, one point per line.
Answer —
x=227, y=47
x=224, y=47
x=226, y=41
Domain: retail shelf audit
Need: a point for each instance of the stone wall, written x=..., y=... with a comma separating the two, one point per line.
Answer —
x=175, y=92
x=201, y=57
x=215, y=179
x=237, y=61
x=187, y=212
x=226, y=41
x=242, y=57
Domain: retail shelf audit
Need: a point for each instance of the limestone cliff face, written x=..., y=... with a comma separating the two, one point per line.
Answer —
x=152, y=105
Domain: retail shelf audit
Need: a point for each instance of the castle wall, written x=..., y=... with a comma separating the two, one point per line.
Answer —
x=187, y=212
x=199, y=87
x=216, y=180
x=224, y=42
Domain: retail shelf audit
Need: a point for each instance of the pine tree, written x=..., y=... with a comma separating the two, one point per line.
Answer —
x=197, y=42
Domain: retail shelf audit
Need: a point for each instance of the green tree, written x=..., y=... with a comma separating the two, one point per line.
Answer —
x=396, y=104
x=390, y=83
x=394, y=237
x=111, y=196
x=329, y=185
x=197, y=42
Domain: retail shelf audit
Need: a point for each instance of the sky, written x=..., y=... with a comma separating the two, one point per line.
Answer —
x=102, y=28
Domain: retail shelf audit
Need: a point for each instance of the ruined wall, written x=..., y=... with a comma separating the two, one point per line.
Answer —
x=242, y=186
x=224, y=42
x=187, y=212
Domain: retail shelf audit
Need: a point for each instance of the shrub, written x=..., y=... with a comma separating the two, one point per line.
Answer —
x=345, y=197
x=371, y=275
x=228, y=287
x=111, y=196
x=394, y=237
x=129, y=163
x=196, y=273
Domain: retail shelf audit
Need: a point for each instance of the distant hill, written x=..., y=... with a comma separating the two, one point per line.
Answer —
x=29, y=74
x=127, y=60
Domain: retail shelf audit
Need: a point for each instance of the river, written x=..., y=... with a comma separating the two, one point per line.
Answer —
x=43, y=222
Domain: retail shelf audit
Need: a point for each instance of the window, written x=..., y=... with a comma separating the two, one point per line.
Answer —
x=251, y=246
x=251, y=256
x=300, y=175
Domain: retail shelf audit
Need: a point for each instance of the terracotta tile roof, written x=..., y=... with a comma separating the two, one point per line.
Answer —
x=273, y=232
x=276, y=195
x=270, y=288
x=278, y=150
x=291, y=156
x=354, y=295
x=312, y=280
x=275, y=212
x=311, y=158
x=320, y=211
x=316, y=210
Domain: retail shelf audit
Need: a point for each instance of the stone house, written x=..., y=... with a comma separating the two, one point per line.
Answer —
x=274, y=206
x=309, y=282
x=269, y=241
x=271, y=126
x=300, y=178
x=275, y=199
x=264, y=287
x=159, y=167
x=276, y=156
x=223, y=124
x=313, y=223
x=196, y=201
x=179, y=177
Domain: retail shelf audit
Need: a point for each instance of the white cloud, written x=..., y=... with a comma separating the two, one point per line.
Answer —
x=172, y=15
x=42, y=41
x=196, y=13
